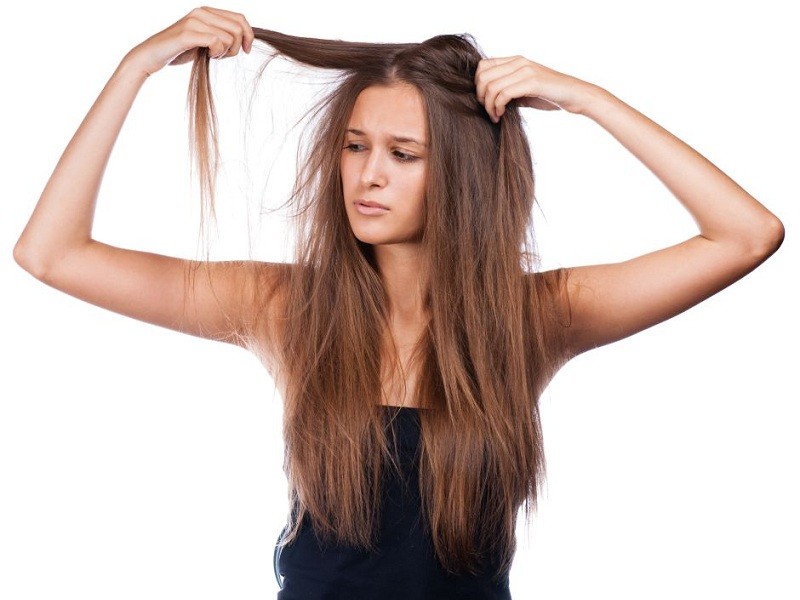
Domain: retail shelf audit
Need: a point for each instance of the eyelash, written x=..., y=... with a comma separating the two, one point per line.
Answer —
x=408, y=157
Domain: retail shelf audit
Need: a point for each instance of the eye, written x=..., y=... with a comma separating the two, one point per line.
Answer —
x=403, y=157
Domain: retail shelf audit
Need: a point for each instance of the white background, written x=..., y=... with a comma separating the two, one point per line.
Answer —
x=139, y=463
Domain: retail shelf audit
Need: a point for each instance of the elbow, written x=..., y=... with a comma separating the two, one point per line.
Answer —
x=773, y=236
x=19, y=256
x=767, y=239
x=25, y=260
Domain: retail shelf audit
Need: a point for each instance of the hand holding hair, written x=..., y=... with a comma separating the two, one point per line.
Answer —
x=222, y=32
x=500, y=80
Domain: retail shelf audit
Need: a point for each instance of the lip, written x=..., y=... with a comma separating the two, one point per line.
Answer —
x=368, y=207
x=371, y=203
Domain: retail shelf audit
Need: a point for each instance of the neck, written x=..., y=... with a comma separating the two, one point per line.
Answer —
x=401, y=272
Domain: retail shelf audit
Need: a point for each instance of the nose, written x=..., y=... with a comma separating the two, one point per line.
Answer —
x=374, y=172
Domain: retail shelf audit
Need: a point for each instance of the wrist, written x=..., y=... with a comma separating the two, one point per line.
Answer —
x=593, y=99
x=130, y=68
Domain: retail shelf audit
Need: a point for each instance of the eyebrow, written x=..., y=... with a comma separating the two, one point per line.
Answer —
x=396, y=138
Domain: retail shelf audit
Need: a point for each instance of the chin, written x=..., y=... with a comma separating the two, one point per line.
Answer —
x=372, y=239
x=379, y=236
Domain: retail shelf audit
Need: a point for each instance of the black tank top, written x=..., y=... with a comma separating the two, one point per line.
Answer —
x=405, y=566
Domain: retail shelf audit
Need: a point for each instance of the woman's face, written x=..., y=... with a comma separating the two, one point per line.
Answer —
x=384, y=160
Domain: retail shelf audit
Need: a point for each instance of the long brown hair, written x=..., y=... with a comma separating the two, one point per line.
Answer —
x=493, y=331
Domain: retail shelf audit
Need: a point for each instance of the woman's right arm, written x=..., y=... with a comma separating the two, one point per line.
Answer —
x=56, y=245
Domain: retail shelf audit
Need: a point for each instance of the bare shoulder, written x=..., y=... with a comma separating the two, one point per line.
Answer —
x=267, y=299
x=548, y=296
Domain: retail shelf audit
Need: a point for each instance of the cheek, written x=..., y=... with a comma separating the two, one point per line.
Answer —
x=345, y=170
x=420, y=188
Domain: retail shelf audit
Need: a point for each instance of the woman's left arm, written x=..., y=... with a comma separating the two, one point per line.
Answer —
x=608, y=302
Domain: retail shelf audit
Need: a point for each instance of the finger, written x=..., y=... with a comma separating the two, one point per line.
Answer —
x=486, y=63
x=228, y=30
x=492, y=68
x=517, y=89
x=496, y=85
x=247, y=31
x=219, y=41
x=480, y=73
x=505, y=88
x=216, y=40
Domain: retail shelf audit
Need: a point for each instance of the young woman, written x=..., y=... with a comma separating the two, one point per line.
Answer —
x=412, y=336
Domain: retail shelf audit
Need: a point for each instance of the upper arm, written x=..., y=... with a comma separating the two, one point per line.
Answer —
x=607, y=302
x=221, y=304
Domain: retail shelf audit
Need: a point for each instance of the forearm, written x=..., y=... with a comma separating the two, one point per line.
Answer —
x=63, y=216
x=723, y=211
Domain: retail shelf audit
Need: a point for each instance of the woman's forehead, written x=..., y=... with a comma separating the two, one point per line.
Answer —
x=393, y=113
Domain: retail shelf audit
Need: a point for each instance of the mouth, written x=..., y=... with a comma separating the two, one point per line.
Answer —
x=370, y=208
x=371, y=203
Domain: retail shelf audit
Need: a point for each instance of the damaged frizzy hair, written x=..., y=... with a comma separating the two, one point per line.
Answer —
x=493, y=325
